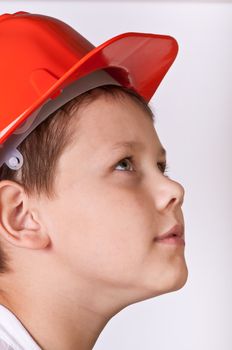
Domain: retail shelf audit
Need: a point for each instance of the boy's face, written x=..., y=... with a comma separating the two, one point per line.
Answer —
x=110, y=209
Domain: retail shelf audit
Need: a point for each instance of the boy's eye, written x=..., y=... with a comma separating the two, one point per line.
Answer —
x=124, y=160
x=164, y=168
x=163, y=165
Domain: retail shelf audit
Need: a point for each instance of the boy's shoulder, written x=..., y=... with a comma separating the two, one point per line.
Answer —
x=13, y=335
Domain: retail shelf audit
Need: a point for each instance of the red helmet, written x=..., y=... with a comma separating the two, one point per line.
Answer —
x=45, y=63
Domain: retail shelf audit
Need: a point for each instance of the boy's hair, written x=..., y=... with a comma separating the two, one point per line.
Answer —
x=42, y=148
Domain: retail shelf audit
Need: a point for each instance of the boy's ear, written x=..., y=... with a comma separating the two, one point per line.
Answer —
x=18, y=221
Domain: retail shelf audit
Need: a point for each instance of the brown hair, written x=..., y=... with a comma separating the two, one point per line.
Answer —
x=42, y=148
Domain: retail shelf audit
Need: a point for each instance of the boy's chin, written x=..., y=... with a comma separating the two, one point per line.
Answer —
x=153, y=288
x=173, y=281
x=177, y=280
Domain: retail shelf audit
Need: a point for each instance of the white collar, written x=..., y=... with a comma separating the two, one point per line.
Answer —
x=13, y=332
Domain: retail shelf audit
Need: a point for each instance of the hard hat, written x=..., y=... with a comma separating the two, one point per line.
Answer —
x=45, y=63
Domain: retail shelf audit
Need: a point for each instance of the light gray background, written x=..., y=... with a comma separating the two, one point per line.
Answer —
x=193, y=113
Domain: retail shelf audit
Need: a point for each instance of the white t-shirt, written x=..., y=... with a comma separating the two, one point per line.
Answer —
x=13, y=335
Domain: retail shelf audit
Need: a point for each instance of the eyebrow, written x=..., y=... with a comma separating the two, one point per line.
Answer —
x=134, y=145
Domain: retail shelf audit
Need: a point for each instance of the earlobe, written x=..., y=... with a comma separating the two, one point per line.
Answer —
x=18, y=223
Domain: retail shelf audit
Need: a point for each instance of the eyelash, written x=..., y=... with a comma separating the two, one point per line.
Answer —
x=164, y=165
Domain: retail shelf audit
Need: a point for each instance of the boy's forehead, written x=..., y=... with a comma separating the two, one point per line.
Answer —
x=105, y=111
x=108, y=123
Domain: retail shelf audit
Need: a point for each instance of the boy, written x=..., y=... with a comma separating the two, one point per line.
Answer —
x=82, y=238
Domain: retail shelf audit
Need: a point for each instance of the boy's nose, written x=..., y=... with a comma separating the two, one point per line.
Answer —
x=169, y=195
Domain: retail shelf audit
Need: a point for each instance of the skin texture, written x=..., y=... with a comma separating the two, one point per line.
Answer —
x=81, y=258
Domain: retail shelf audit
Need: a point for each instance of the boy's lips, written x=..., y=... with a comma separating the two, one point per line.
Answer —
x=176, y=230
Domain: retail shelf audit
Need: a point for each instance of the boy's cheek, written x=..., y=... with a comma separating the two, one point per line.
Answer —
x=89, y=223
